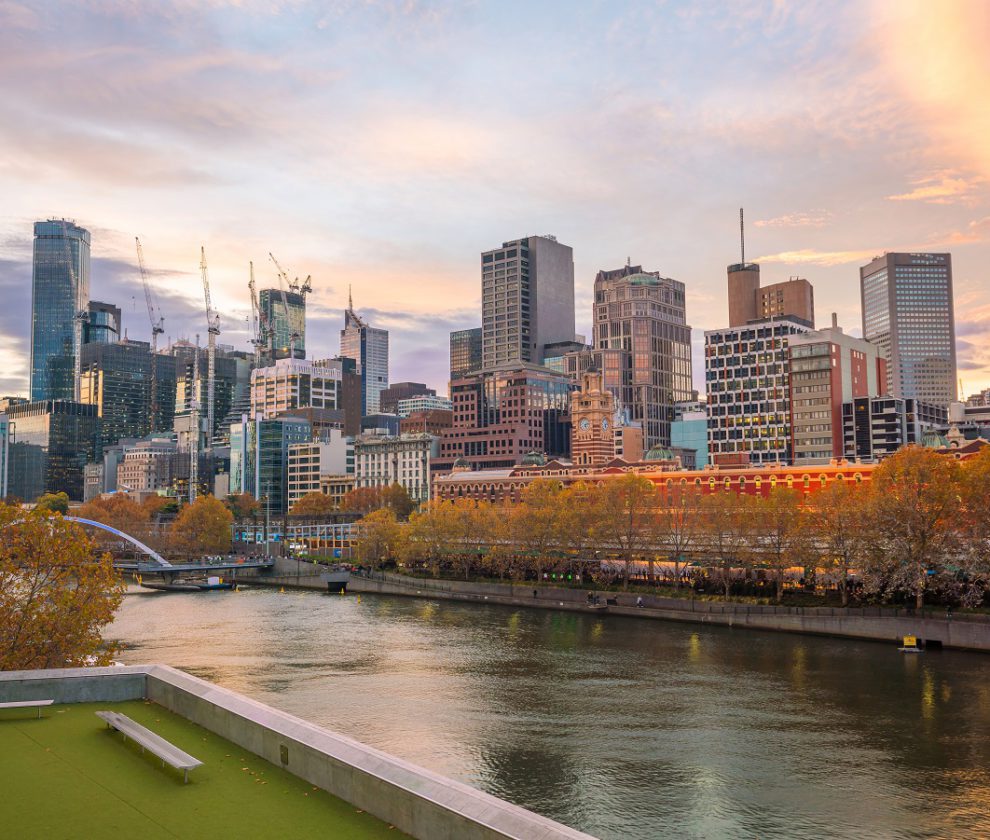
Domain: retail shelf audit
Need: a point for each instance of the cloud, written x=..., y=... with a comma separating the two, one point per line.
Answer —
x=810, y=256
x=976, y=231
x=943, y=188
x=810, y=218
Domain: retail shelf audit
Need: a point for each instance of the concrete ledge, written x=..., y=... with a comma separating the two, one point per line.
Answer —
x=415, y=800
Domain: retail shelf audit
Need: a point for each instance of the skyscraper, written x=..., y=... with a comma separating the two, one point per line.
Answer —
x=368, y=347
x=908, y=313
x=103, y=326
x=527, y=300
x=59, y=291
x=643, y=315
x=465, y=352
x=287, y=317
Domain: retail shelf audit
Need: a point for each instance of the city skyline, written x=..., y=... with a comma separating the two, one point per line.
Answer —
x=639, y=134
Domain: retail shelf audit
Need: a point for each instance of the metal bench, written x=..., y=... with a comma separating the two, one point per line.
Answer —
x=148, y=740
x=27, y=704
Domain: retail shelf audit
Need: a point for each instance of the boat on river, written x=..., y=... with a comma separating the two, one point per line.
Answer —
x=211, y=584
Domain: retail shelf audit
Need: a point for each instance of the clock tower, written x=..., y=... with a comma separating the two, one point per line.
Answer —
x=592, y=413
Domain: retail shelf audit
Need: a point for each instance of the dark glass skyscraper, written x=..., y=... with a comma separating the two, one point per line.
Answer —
x=368, y=347
x=59, y=290
x=465, y=352
x=104, y=323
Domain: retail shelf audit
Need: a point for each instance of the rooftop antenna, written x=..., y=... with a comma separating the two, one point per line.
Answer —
x=350, y=300
x=742, y=238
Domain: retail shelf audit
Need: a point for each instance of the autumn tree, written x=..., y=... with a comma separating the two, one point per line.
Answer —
x=535, y=524
x=55, y=595
x=677, y=526
x=380, y=538
x=834, y=528
x=203, y=527
x=623, y=518
x=725, y=533
x=396, y=498
x=242, y=506
x=313, y=504
x=975, y=515
x=914, y=505
x=117, y=510
x=777, y=538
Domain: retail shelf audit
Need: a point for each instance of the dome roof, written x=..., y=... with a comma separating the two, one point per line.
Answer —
x=659, y=453
x=534, y=459
x=460, y=463
x=934, y=440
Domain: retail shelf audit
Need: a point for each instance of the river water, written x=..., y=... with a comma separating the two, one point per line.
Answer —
x=624, y=728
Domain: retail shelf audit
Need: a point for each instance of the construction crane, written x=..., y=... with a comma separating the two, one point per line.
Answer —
x=260, y=329
x=213, y=328
x=157, y=328
x=79, y=321
x=283, y=281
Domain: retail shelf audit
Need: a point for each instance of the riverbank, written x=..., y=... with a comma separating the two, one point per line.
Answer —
x=870, y=623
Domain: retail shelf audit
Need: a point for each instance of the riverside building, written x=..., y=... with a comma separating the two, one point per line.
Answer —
x=405, y=460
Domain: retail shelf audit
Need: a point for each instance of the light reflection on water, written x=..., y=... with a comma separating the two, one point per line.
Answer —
x=625, y=728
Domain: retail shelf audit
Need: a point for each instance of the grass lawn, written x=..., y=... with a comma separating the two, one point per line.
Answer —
x=68, y=776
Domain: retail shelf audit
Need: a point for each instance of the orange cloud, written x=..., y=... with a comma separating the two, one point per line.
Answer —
x=811, y=218
x=943, y=188
x=809, y=256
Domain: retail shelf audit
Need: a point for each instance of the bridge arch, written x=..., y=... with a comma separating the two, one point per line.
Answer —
x=154, y=555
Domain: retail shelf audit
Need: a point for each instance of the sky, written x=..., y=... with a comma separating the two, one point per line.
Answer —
x=381, y=145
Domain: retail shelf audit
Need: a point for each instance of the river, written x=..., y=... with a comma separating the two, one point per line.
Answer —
x=624, y=728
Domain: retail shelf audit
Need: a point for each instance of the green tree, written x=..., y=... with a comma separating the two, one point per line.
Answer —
x=242, y=506
x=53, y=503
x=55, y=595
x=203, y=528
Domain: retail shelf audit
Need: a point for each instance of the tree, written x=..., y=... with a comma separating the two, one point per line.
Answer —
x=381, y=538
x=396, y=498
x=535, y=523
x=203, y=527
x=975, y=514
x=623, y=518
x=158, y=506
x=362, y=500
x=834, y=528
x=913, y=507
x=243, y=506
x=776, y=536
x=313, y=504
x=677, y=525
x=53, y=503
x=118, y=511
x=725, y=534
x=55, y=596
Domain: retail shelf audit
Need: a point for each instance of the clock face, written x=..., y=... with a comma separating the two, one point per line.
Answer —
x=585, y=425
x=605, y=425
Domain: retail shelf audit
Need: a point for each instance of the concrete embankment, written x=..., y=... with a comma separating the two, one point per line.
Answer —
x=887, y=625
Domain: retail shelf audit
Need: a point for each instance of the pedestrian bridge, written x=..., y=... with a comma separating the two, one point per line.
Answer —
x=159, y=561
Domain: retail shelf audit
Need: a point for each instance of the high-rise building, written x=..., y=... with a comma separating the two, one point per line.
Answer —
x=286, y=313
x=908, y=314
x=747, y=374
x=4, y=453
x=368, y=347
x=116, y=378
x=875, y=427
x=259, y=458
x=103, y=326
x=422, y=402
x=404, y=460
x=690, y=430
x=792, y=299
x=59, y=292
x=828, y=368
x=388, y=401
x=295, y=383
x=310, y=463
x=500, y=416
x=51, y=443
x=465, y=351
x=642, y=315
x=527, y=300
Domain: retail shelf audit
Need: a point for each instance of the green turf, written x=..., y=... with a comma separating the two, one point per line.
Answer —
x=68, y=776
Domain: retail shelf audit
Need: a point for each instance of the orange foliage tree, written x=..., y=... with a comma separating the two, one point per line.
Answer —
x=56, y=595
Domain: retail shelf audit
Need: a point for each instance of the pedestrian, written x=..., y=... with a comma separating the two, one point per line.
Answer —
x=534, y=593
x=639, y=601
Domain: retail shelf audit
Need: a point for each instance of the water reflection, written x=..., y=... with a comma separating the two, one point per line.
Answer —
x=624, y=728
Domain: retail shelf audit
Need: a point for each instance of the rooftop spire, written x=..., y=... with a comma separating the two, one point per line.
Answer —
x=742, y=239
x=350, y=300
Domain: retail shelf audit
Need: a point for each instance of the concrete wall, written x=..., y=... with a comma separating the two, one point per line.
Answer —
x=417, y=801
x=969, y=632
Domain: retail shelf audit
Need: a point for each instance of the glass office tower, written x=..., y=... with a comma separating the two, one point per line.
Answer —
x=288, y=318
x=59, y=289
x=368, y=347
x=908, y=314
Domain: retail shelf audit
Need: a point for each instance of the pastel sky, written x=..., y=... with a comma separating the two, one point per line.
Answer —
x=383, y=144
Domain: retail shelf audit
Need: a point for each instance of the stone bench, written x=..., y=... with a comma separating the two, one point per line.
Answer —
x=27, y=704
